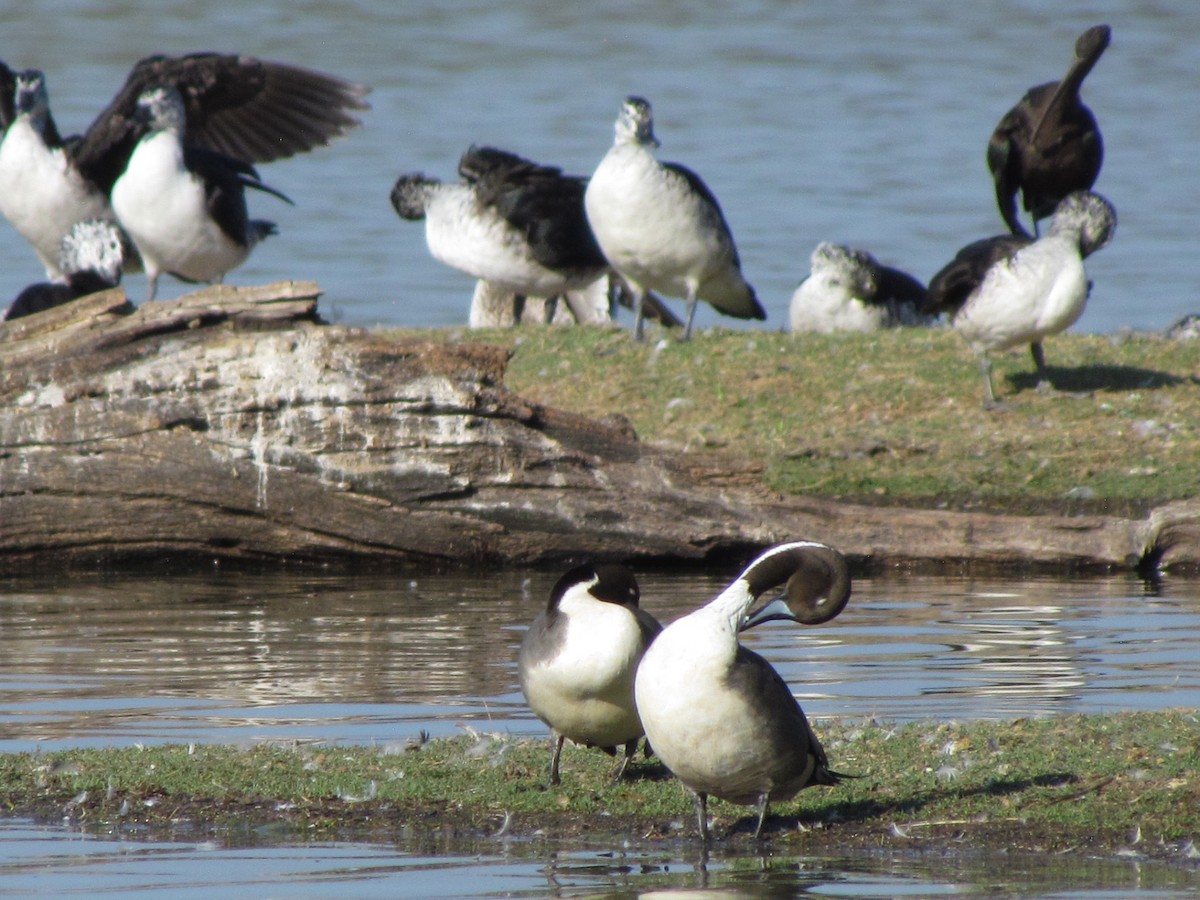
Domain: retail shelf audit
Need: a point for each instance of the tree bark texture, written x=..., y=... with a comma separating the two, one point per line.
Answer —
x=232, y=424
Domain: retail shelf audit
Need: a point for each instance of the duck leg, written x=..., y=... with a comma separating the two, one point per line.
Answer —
x=639, y=314
x=692, y=300
x=700, y=804
x=985, y=369
x=619, y=772
x=556, y=745
x=1044, y=386
x=1039, y=362
x=763, y=801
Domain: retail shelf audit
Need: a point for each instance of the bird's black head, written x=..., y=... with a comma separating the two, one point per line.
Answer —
x=817, y=583
x=1093, y=42
x=610, y=582
x=31, y=96
x=410, y=193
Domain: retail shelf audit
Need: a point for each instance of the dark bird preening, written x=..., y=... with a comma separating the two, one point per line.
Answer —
x=90, y=260
x=1049, y=145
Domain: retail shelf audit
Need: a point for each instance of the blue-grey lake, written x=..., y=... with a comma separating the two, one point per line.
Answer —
x=860, y=122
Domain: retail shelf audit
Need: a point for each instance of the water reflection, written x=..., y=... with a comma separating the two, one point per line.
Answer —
x=36, y=860
x=235, y=657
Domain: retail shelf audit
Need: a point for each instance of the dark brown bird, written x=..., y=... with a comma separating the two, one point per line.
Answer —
x=1049, y=145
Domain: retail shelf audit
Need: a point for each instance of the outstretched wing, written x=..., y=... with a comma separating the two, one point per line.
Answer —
x=242, y=107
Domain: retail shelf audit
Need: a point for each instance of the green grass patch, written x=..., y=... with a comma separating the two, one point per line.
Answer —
x=893, y=417
x=1113, y=783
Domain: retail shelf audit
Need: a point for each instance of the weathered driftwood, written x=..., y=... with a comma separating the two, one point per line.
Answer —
x=232, y=424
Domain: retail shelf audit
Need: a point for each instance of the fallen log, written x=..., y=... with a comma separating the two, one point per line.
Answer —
x=233, y=424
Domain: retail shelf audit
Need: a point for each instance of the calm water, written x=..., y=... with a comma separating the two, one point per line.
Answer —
x=860, y=121
x=235, y=658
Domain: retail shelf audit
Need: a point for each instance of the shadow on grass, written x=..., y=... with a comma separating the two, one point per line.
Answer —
x=1099, y=378
x=865, y=810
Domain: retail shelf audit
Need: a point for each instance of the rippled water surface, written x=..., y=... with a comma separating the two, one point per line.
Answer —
x=860, y=122
x=235, y=657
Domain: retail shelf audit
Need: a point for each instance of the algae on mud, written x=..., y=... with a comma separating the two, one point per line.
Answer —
x=1123, y=784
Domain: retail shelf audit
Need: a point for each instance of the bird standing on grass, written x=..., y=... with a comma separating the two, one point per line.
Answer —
x=661, y=228
x=577, y=661
x=1009, y=289
x=718, y=715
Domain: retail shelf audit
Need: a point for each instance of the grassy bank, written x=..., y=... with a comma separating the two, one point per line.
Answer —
x=1122, y=784
x=891, y=417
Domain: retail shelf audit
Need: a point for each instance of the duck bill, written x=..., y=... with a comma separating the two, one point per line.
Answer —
x=776, y=609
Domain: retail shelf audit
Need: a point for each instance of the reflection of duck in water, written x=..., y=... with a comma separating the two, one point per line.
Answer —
x=1021, y=652
x=718, y=715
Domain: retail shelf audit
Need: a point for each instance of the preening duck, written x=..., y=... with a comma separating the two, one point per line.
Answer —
x=519, y=228
x=718, y=715
x=1049, y=145
x=577, y=661
x=849, y=290
x=248, y=110
x=1011, y=289
x=514, y=225
x=90, y=259
x=661, y=228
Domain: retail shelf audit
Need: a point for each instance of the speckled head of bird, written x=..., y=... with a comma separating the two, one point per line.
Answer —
x=161, y=108
x=30, y=96
x=816, y=583
x=93, y=245
x=608, y=582
x=856, y=269
x=410, y=193
x=1088, y=214
x=635, y=123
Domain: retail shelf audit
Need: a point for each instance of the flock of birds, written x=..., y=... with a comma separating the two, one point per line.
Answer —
x=601, y=671
x=157, y=183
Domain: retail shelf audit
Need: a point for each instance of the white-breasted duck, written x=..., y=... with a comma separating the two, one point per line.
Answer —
x=519, y=228
x=90, y=260
x=1049, y=145
x=1011, y=289
x=718, y=715
x=661, y=228
x=514, y=225
x=247, y=109
x=847, y=289
x=577, y=661
x=185, y=206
